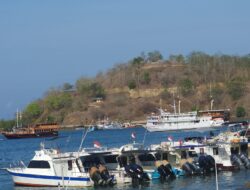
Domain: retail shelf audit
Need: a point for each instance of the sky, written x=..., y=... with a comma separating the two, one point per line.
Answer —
x=45, y=43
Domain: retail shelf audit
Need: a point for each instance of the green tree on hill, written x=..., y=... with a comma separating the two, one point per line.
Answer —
x=236, y=88
x=67, y=86
x=137, y=63
x=131, y=84
x=177, y=58
x=58, y=101
x=90, y=89
x=240, y=111
x=154, y=56
x=32, y=112
x=7, y=124
x=146, y=78
x=96, y=90
x=186, y=87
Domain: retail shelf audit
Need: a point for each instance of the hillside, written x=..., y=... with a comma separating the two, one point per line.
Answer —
x=132, y=90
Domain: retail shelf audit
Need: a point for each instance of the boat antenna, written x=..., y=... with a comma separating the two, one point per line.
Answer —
x=211, y=97
x=174, y=105
x=179, y=104
x=144, y=137
x=84, y=134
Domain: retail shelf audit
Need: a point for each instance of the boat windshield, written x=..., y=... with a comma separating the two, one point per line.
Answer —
x=39, y=164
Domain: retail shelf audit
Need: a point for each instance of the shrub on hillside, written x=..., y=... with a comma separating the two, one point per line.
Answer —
x=90, y=89
x=32, y=112
x=236, y=88
x=240, y=111
x=154, y=56
x=58, y=101
x=186, y=87
x=7, y=124
x=165, y=95
x=131, y=84
x=146, y=78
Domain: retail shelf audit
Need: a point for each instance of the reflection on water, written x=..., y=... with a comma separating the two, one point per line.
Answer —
x=23, y=149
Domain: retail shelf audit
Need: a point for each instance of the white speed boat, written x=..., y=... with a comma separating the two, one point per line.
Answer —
x=49, y=168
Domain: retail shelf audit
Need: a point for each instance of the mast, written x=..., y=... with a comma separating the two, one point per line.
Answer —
x=174, y=106
x=211, y=104
x=211, y=97
x=179, y=106
x=160, y=103
x=17, y=117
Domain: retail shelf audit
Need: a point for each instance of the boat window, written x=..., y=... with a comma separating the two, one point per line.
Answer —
x=235, y=150
x=110, y=159
x=215, y=151
x=90, y=161
x=122, y=161
x=158, y=156
x=201, y=150
x=183, y=155
x=70, y=164
x=146, y=157
x=165, y=156
x=192, y=154
x=39, y=164
x=244, y=148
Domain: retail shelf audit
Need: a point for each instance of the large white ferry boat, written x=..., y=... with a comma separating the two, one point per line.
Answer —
x=167, y=121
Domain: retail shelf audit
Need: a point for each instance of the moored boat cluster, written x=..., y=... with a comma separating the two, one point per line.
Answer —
x=135, y=163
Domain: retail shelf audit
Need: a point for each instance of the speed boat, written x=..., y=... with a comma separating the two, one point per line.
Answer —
x=50, y=168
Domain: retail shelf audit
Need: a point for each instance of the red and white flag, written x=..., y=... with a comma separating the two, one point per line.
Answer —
x=97, y=144
x=180, y=142
x=133, y=136
x=170, y=139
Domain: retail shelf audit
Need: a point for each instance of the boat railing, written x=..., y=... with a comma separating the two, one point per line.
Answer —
x=93, y=149
x=19, y=165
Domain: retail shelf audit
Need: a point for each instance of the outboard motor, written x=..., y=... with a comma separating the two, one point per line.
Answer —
x=165, y=169
x=186, y=167
x=105, y=175
x=204, y=164
x=236, y=160
x=95, y=176
x=169, y=168
x=194, y=168
x=245, y=160
x=163, y=173
x=136, y=172
x=211, y=162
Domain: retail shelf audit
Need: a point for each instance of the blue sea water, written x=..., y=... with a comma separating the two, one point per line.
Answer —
x=12, y=151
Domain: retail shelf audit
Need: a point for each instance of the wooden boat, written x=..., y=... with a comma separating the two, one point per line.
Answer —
x=38, y=130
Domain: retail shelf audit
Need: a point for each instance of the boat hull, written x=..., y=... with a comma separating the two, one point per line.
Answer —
x=33, y=180
x=28, y=135
x=183, y=127
x=222, y=167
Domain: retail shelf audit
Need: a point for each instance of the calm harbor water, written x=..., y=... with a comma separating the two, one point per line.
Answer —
x=12, y=151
